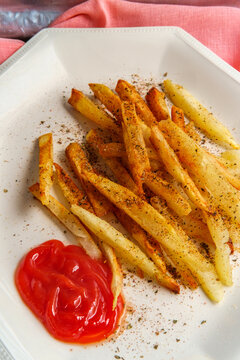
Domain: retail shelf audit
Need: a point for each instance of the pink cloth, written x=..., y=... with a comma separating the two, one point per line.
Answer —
x=217, y=27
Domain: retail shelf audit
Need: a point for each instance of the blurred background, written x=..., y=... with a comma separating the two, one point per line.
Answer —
x=23, y=18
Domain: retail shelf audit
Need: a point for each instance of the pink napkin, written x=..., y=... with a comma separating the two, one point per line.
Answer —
x=217, y=27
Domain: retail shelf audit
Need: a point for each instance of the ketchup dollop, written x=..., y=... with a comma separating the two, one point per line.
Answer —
x=69, y=292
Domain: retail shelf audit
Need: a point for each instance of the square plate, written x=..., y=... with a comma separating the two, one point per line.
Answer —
x=34, y=86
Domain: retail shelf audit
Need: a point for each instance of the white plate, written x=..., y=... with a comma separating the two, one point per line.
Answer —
x=34, y=86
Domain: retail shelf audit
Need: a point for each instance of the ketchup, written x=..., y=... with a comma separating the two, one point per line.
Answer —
x=69, y=292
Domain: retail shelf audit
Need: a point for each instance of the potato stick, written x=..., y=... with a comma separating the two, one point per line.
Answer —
x=174, y=167
x=109, y=99
x=191, y=131
x=185, y=274
x=135, y=145
x=128, y=92
x=71, y=192
x=92, y=112
x=146, y=242
x=158, y=227
x=232, y=157
x=76, y=157
x=196, y=112
x=45, y=166
x=204, y=167
x=165, y=190
x=126, y=248
x=71, y=222
x=117, y=275
x=157, y=104
x=220, y=236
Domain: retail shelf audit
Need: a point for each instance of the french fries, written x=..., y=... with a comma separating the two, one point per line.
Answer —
x=157, y=226
x=196, y=112
x=77, y=159
x=91, y=111
x=203, y=166
x=127, y=249
x=157, y=104
x=220, y=236
x=174, y=167
x=128, y=92
x=135, y=146
x=45, y=166
x=179, y=202
x=70, y=222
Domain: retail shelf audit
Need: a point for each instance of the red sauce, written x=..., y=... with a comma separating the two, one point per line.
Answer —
x=69, y=292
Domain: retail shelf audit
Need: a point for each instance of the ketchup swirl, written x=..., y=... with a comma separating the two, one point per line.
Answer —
x=69, y=292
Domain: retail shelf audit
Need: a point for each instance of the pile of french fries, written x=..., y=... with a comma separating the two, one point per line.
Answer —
x=179, y=203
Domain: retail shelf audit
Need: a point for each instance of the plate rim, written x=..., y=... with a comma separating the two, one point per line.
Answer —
x=189, y=39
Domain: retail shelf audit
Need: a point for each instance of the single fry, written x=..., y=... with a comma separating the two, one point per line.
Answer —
x=220, y=236
x=135, y=145
x=71, y=222
x=158, y=227
x=71, y=192
x=196, y=112
x=224, y=196
x=78, y=159
x=126, y=248
x=92, y=112
x=178, y=119
x=109, y=99
x=174, y=167
x=45, y=166
x=128, y=92
x=117, y=275
x=165, y=190
x=157, y=104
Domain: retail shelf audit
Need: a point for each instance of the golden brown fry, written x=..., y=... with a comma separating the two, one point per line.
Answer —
x=114, y=149
x=126, y=248
x=45, y=166
x=92, y=112
x=203, y=166
x=220, y=236
x=158, y=227
x=71, y=222
x=173, y=198
x=135, y=145
x=71, y=192
x=77, y=159
x=174, y=167
x=109, y=99
x=178, y=119
x=157, y=104
x=177, y=115
x=128, y=92
x=196, y=112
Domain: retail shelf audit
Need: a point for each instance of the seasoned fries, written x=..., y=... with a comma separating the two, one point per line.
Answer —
x=45, y=166
x=179, y=202
x=91, y=111
x=124, y=247
x=196, y=112
x=71, y=223
x=173, y=166
x=157, y=104
x=135, y=146
x=203, y=166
